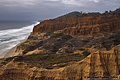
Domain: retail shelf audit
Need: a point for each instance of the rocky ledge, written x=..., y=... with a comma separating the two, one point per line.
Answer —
x=72, y=48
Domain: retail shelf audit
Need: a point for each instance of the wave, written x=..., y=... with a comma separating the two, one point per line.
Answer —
x=11, y=31
x=11, y=37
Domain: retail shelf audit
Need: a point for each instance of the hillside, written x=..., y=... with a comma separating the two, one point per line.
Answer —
x=69, y=47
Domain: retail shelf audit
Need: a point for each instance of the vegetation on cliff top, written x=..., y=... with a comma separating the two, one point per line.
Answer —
x=50, y=60
x=92, y=14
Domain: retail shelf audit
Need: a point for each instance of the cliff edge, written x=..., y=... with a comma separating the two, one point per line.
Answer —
x=75, y=46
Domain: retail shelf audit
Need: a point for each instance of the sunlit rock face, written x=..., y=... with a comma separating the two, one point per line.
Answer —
x=72, y=48
x=79, y=26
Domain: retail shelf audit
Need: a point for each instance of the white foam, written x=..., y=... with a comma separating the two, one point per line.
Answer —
x=11, y=31
x=11, y=37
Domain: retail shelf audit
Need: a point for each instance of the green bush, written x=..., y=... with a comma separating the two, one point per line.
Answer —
x=67, y=51
x=66, y=37
x=47, y=60
x=85, y=41
x=86, y=53
x=81, y=49
x=55, y=35
x=48, y=34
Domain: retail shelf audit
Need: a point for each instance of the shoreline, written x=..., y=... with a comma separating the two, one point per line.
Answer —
x=10, y=52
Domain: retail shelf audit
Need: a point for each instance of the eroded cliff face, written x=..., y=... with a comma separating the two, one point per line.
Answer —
x=85, y=48
x=100, y=63
x=79, y=26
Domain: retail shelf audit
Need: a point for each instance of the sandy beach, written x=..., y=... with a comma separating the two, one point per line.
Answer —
x=10, y=52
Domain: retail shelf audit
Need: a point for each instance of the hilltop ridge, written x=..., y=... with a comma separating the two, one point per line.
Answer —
x=81, y=23
x=76, y=46
x=76, y=14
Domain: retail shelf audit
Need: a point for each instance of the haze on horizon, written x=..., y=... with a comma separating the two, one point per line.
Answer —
x=46, y=9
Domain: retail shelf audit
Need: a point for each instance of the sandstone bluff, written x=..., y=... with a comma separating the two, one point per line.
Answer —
x=76, y=46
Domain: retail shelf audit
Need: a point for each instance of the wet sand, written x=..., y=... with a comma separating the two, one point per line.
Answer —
x=10, y=52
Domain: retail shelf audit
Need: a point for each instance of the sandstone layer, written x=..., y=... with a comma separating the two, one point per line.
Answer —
x=100, y=63
x=73, y=48
x=79, y=26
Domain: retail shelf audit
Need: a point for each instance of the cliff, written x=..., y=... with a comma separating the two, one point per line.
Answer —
x=101, y=63
x=76, y=23
x=68, y=48
x=79, y=26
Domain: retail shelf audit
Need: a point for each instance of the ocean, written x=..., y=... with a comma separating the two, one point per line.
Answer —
x=14, y=32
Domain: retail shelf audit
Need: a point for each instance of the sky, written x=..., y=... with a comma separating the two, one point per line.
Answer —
x=47, y=9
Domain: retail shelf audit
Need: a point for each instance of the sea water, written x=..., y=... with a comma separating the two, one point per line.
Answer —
x=13, y=32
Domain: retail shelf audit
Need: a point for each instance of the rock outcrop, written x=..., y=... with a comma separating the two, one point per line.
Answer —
x=68, y=48
x=79, y=26
x=99, y=65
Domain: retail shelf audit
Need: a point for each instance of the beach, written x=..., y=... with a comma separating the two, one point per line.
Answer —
x=9, y=53
x=13, y=33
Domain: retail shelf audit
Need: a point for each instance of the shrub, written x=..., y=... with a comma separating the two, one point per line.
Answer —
x=86, y=53
x=67, y=51
x=66, y=37
x=81, y=49
x=55, y=35
x=48, y=34
x=47, y=60
x=85, y=41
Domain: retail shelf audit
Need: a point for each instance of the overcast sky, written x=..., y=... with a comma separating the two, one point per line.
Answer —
x=46, y=9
